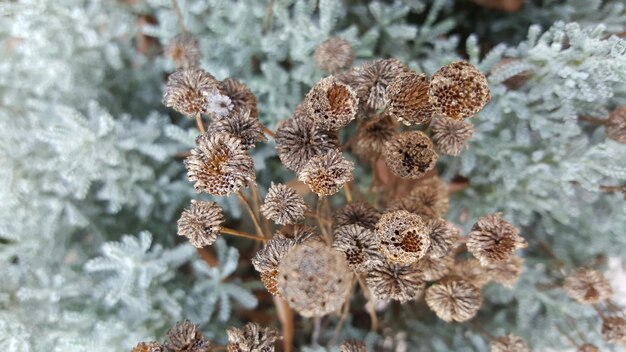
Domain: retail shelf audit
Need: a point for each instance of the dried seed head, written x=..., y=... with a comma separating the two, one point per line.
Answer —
x=587, y=286
x=267, y=259
x=399, y=282
x=429, y=200
x=331, y=104
x=252, y=338
x=219, y=165
x=616, y=125
x=454, y=300
x=358, y=213
x=356, y=243
x=372, y=135
x=201, y=223
x=298, y=139
x=240, y=96
x=471, y=271
x=371, y=80
x=493, y=239
x=314, y=279
x=188, y=91
x=184, y=51
x=270, y=281
x=614, y=330
x=184, y=337
x=283, y=205
x=240, y=124
x=333, y=54
x=402, y=237
x=443, y=237
x=508, y=343
x=299, y=233
x=353, y=346
x=451, y=136
x=512, y=68
x=218, y=105
x=587, y=347
x=407, y=98
x=148, y=347
x=506, y=273
x=458, y=90
x=326, y=174
x=410, y=154
x=433, y=269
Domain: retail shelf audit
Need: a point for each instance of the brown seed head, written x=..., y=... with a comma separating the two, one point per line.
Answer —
x=219, y=165
x=399, y=282
x=240, y=96
x=433, y=269
x=410, y=154
x=184, y=51
x=506, y=273
x=268, y=258
x=356, y=243
x=451, y=136
x=372, y=135
x=299, y=233
x=443, y=237
x=252, y=338
x=616, y=125
x=185, y=337
x=458, y=90
x=331, y=103
x=283, y=205
x=587, y=347
x=508, y=343
x=353, y=346
x=188, y=91
x=402, y=237
x=614, y=330
x=429, y=200
x=240, y=124
x=148, y=347
x=201, y=223
x=587, y=286
x=472, y=271
x=454, y=300
x=357, y=213
x=326, y=174
x=333, y=55
x=407, y=98
x=371, y=80
x=493, y=239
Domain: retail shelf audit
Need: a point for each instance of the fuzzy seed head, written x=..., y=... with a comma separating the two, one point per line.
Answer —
x=333, y=55
x=201, y=223
x=443, y=237
x=240, y=96
x=283, y=205
x=402, y=237
x=429, y=200
x=433, y=269
x=508, y=343
x=326, y=174
x=614, y=330
x=407, y=98
x=587, y=286
x=472, y=271
x=454, y=300
x=331, y=103
x=357, y=213
x=240, y=124
x=357, y=244
x=494, y=240
x=252, y=338
x=188, y=91
x=371, y=80
x=184, y=51
x=451, y=136
x=372, y=135
x=353, y=346
x=410, y=154
x=399, y=282
x=458, y=90
x=506, y=273
x=299, y=233
x=185, y=337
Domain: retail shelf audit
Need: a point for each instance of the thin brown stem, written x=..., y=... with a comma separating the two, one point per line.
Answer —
x=269, y=132
x=179, y=17
x=285, y=315
x=315, y=335
x=200, y=124
x=237, y=233
x=318, y=216
x=253, y=216
x=593, y=120
x=269, y=12
x=348, y=192
x=370, y=304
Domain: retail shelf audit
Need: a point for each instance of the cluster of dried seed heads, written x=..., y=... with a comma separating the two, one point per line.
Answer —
x=201, y=223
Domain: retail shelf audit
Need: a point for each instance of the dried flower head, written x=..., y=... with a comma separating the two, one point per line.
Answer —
x=201, y=223
x=493, y=239
x=587, y=286
x=333, y=54
x=184, y=51
x=458, y=90
x=188, y=90
x=454, y=300
x=298, y=139
x=283, y=205
x=314, y=279
x=506, y=273
x=218, y=104
x=356, y=243
x=358, y=213
x=407, y=98
x=616, y=125
x=399, y=282
x=443, y=237
x=510, y=67
x=451, y=136
x=299, y=233
x=326, y=174
x=219, y=165
x=410, y=154
x=331, y=103
x=267, y=260
x=587, y=347
x=371, y=80
x=240, y=124
x=433, y=269
x=372, y=135
x=429, y=200
x=185, y=337
x=472, y=271
x=148, y=347
x=402, y=237
x=240, y=96
x=508, y=343
x=252, y=338
x=614, y=330
x=353, y=346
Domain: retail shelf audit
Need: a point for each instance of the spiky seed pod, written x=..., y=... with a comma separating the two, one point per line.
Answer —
x=283, y=205
x=185, y=337
x=371, y=80
x=333, y=55
x=506, y=273
x=458, y=90
x=508, y=343
x=326, y=174
x=298, y=139
x=587, y=286
x=331, y=103
x=443, y=237
x=433, y=269
x=299, y=233
x=614, y=330
x=402, y=237
x=399, y=282
x=184, y=51
x=252, y=338
x=268, y=258
x=188, y=91
x=372, y=135
x=472, y=271
x=410, y=154
x=508, y=66
x=587, y=347
x=219, y=165
x=407, y=99
x=201, y=223
x=240, y=96
x=451, y=136
x=616, y=125
x=148, y=347
x=314, y=279
x=357, y=213
x=454, y=300
x=356, y=243
x=353, y=346
x=240, y=124
x=494, y=240
x=429, y=200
